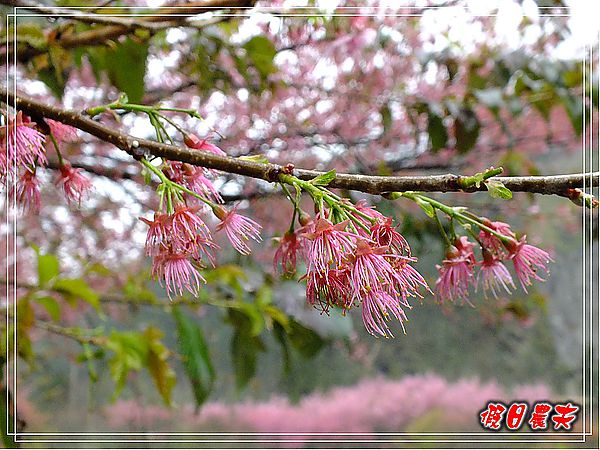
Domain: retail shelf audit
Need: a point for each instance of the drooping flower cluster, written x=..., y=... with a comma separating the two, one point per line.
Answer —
x=178, y=239
x=22, y=145
x=22, y=151
x=362, y=262
x=498, y=244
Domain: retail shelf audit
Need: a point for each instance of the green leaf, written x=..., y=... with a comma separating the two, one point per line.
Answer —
x=125, y=65
x=386, y=118
x=261, y=52
x=425, y=206
x=307, y=342
x=244, y=350
x=25, y=320
x=437, y=132
x=162, y=373
x=31, y=34
x=245, y=347
x=196, y=358
x=51, y=306
x=48, y=268
x=497, y=189
x=324, y=179
x=255, y=158
x=466, y=130
x=130, y=350
x=77, y=288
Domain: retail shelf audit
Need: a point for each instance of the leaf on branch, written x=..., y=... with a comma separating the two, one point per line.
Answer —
x=130, y=350
x=386, y=118
x=261, y=52
x=255, y=158
x=162, y=373
x=466, y=130
x=429, y=210
x=48, y=268
x=245, y=346
x=73, y=288
x=324, y=179
x=496, y=189
x=437, y=132
x=50, y=305
x=196, y=358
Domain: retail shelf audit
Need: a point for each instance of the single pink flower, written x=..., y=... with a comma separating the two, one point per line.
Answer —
x=190, y=235
x=494, y=275
x=407, y=281
x=330, y=245
x=194, y=142
x=369, y=270
x=197, y=181
x=158, y=234
x=456, y=273
x=74, y=184
x=327, y=289
x=62, y=132
x=22, y=144
x=285, y=255
x=490, y=242
x=28, y=192
x=385, y=234
x=378, y=307
x=175, y=273
x=527, y=260
x=238, y=228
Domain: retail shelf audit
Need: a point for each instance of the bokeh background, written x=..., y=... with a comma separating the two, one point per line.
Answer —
x=377, y=88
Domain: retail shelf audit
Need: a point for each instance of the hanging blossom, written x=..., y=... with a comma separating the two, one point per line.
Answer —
x=62, y=132
x=238, y=228
x=494, y=275
x=178, y=239
x=21, y=144
x=456, y=271
x=75, y=185
x=177, y=243
x=528, y=260
x=28, y=192
x=498, y=245
x=361, y=262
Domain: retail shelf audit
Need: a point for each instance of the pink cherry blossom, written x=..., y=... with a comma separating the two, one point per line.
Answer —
x=455, y=276
x=28, y=192
x=175, y=273
x=74, y=184
x=284, y=260
x=193, y=141
x=62, y=132
x=494, y=275
x=330, y=245
x=238, y=228
x=157, y=236
x=21, y=144
x=326, y=289
x=527, y=260
x=378, y=307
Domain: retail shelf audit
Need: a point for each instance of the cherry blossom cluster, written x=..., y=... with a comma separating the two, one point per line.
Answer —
x=23, y=150
x=178, y=238
x=498, y=244
x=354, y=257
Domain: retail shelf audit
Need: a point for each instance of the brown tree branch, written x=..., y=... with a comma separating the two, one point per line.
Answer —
x=138, y=148
x=113, y=27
